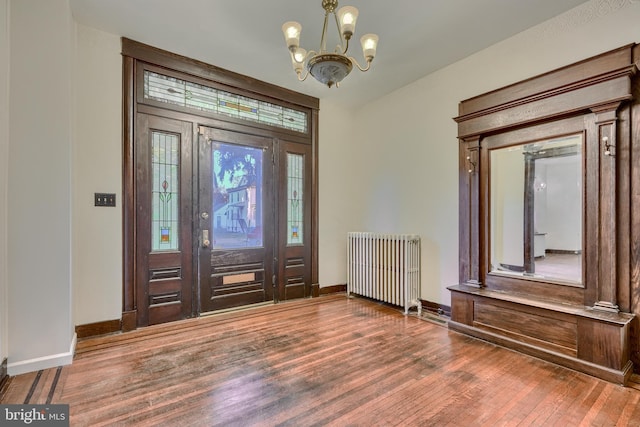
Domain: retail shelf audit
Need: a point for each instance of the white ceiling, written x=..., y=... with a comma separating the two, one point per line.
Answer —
x=417, y=37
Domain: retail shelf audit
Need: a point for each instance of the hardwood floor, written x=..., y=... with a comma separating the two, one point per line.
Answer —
x=325, y=361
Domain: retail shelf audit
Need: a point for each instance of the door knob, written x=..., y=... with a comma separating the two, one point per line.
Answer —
x=204, y=215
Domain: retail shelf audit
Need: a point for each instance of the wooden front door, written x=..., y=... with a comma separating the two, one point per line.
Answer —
x=237, y=219
x=198, y=234
x=220, y=223
x=163, y=219
x=255, y=219
x=294, y=220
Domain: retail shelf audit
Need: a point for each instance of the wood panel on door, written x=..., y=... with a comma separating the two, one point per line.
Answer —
x=163, y=221
x=236, y=219
x=294, y=221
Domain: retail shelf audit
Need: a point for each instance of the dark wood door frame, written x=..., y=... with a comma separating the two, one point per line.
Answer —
x=136, y=56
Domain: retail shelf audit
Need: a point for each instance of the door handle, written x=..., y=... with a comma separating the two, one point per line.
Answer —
x=205, y=239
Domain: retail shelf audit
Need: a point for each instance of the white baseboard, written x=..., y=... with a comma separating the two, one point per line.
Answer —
x=46, y=362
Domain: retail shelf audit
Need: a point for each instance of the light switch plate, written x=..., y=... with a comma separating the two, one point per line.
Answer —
x=105, y=199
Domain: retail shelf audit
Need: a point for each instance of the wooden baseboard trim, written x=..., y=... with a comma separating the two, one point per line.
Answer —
x=129, y=320
x=434, y=307
x=315, y=290
x=99, y=328
x=608, y=374
x=4, y=377
x=335, y=289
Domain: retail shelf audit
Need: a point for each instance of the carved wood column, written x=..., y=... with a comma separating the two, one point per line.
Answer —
x=606, y=284
x=469, y=224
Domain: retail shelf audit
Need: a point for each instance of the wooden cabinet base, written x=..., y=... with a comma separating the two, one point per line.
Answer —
x=587, y=340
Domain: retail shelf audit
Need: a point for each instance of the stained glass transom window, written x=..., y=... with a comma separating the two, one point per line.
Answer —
x=165, y=191
x=204, y=98
x=295, y=186
x=237, y=196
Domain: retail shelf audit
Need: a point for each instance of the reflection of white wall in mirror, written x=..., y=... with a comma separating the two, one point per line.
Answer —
x=540, y=200
x=507, y=209
x=564, y=204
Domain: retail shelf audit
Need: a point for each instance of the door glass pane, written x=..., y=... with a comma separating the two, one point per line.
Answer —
x=295, y=181
x=165, y=169
x=174, y=91
x=237, y=196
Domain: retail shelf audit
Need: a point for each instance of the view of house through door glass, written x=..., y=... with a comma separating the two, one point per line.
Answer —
x=237, y=196
x=237, y=219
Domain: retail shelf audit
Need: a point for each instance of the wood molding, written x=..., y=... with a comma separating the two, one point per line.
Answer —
x=470, y=236
x=591, y=68
x=434, y=307
x=129, y=320
x=99, y=328
x=128, y=185
x=194, y=67
x=619, y=376
x=566, y=334
x=335, y=289
x=593, y=84
x=315, y=290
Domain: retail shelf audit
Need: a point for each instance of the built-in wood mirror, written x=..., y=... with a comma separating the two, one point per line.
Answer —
x=536, y=209
x=549, y=230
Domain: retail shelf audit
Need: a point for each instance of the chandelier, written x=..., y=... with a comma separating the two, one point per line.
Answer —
x=329, y=68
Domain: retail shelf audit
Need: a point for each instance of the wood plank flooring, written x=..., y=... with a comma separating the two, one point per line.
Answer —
x=328, y=361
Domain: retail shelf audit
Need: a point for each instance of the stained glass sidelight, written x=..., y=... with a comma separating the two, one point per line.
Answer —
x=295, y=187
x=237, y=196
x=165, y=185
x=204, y=98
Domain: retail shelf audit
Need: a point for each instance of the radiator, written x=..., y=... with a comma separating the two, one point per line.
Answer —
x=385, y=267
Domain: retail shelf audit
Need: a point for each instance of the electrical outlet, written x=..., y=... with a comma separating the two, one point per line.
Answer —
x=105, y=199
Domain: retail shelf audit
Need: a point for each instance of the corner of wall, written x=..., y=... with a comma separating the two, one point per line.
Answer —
x=46, y=362
x=39, y=294
x=4, y=178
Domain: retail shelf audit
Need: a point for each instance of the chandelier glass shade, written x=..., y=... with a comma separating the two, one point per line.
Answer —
x=329, y=68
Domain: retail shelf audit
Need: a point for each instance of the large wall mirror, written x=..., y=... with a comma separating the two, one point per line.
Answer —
x=536, y=206
x=549, y=226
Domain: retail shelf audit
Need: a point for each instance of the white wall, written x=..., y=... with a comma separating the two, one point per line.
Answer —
x=97, y=160
x=407, y=140
x=338, y=158
x=39, y=193
x=564, y=205
x=507, y=207
x=4, y=175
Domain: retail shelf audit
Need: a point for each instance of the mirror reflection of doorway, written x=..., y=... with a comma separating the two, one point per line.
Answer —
x=557, y=213
x=536, y=210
